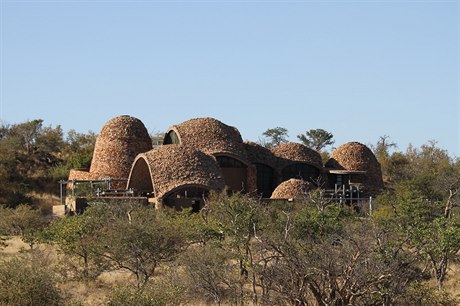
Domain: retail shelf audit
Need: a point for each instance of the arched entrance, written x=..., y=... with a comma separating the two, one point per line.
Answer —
x=265, y=180
x=235, y=173
x=140, y=179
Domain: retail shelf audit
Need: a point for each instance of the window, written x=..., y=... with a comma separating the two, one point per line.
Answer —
x=171, y=138
x=229, y=162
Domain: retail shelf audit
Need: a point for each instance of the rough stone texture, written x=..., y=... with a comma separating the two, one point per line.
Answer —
x=175, y=166
x=292, y=189
x=290, y=152
x=119, y=142
x=357, y=157
x=258, y=154
x=82, y=174
x=211, y=136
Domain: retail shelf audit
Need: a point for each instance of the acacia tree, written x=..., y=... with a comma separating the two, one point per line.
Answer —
x=140, y=240
x=78, y=238
x=276, y=136
x=431, y=228
x=316, y=139
x=328, y=257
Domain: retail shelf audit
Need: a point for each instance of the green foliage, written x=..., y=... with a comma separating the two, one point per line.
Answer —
x=316, y=139
x=422, y=294
x=23, y=221
x=32, y=155
x=78, y=238
x=141, y=241
x=276, y=136
x=28, y=280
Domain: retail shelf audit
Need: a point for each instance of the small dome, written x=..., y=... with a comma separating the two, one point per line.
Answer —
x=260, y=155
x=296, y=152
x=208, y=135
x=167, y=168
x=119, y=142
x=354, y=156
x=292, y=189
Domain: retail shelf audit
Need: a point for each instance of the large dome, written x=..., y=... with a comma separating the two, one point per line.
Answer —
x=292, y=189
x=354, y=156
x=296, y=152
x=119, y=142
x=208, y=135
x=167, y=168
x=258, y=154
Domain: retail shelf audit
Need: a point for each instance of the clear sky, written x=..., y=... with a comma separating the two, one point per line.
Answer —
x=358, y=69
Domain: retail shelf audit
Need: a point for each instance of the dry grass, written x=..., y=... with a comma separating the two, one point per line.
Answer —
x=452, y=283
x=89, y=292
x=44, y=202
x=97, y=292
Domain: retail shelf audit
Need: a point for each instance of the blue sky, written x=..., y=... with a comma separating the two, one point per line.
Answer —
x=359, y=69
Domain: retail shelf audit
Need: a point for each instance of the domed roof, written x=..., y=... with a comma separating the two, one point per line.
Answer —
x=174, y=166
x=210, y=136
x=297, y=152
x=121, y=139
x=259, y=154
x=292, y=189
x=352, y=156
x=355, y=156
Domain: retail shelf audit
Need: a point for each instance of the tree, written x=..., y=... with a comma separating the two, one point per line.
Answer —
x=276, y=136
x=210, y=271
x=28, y=151
x=141, y=240
x=78, y=238
x=316, y=139
x=76, y=153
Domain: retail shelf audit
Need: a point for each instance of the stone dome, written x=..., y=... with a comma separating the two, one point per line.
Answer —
x=292, y=189
x=296, y=152
x=354, y=156
x=208, y=135
x=168, y=168
x=258, y=154
x=121, y=139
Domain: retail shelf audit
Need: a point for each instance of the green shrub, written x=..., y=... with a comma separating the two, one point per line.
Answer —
x=28, y=280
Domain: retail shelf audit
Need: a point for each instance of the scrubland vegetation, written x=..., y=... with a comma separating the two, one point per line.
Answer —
x=236, y=250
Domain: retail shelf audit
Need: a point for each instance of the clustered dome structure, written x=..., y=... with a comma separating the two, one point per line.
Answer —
x=354, y=156
x=204, y=154
x=167, y=168
x=208, y=135
x=292, y=189
x=290, y=152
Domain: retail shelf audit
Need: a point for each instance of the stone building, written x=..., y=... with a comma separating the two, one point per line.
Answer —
x=204, y=154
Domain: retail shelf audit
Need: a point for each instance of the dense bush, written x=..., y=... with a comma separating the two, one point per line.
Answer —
x=28, y=280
